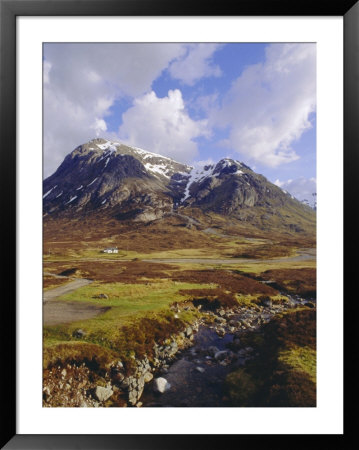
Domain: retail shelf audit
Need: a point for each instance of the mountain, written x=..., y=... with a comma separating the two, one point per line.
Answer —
x=128, y=183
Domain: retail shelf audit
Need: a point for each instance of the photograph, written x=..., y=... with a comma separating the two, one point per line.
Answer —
x=179, y=204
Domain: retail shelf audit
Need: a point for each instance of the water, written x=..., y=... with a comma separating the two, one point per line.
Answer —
x=195, y=379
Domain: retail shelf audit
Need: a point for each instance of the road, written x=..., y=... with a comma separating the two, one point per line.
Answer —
x=52, y=294
x=56, y=311
x=303, y=255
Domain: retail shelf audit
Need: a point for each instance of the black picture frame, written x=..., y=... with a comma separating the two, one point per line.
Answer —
x=9, y=10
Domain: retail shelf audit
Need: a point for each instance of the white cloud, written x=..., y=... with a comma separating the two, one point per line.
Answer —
x=100, y=126
x=196, y=64
x=269, y=105
x=81, y=82
x=301, y=188
x=163, y=126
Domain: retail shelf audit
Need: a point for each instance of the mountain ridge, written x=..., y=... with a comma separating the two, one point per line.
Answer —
x=129, y=183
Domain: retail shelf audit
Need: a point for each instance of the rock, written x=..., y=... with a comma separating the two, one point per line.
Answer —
x=126, y=382
x=212, y=350
x=63, y=373
x=219, y=356
x=103, y=393
x=102, y=296
x=132, y=397
x=140, y=383
x=200, y=369
x=147, y=377
x=118, y=377
x=189, y=331
x=222, y=312
x=46, y=394
x=78, y=333
x=221, y=332
x=220, y=320
x=161, y=385
x=266, y=301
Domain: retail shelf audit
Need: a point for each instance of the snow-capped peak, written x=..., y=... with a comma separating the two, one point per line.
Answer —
x=200, y=172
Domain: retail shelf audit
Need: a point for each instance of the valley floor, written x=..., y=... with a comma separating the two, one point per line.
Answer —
x=115, y=324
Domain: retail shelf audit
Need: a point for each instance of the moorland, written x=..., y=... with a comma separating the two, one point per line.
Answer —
x=143, y=310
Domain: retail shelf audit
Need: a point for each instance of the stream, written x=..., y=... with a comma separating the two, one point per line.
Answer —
x=197, y=374
x=195, y=378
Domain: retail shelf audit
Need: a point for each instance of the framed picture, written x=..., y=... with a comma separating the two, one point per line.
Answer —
x=170, y=103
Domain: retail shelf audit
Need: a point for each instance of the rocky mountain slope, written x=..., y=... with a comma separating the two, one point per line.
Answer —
x=128, y=183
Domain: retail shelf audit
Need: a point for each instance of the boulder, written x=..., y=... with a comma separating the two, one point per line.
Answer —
x=101, y=296
x=103, y=393
x=219, y=356
x=161, y=385
x=78, y=333
x=147, y=377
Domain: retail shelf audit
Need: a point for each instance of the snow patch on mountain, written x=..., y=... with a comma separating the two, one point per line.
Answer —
x=92, y=182
x=196, y=175
x=71, y=199
x=161, y=169
x=199, y=173
x=49, y=192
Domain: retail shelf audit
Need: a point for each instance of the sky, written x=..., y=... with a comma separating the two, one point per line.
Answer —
x=195, y=103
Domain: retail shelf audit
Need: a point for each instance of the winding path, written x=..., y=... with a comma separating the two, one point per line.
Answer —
x=52, y=294
x=58, y=312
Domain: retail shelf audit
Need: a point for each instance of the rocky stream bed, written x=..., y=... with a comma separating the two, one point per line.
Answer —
x=188, y=370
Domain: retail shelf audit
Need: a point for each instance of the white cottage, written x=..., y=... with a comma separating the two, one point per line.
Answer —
x=110, y=250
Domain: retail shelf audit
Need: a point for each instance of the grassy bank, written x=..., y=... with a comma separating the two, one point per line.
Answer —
x=138, y=315
x=284, y=372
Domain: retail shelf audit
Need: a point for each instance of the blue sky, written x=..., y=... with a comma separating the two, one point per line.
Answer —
x=192, y=102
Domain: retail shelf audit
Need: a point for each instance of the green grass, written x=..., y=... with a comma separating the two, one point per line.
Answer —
x=119, y=329
x=301, y=359
x=133, y=298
